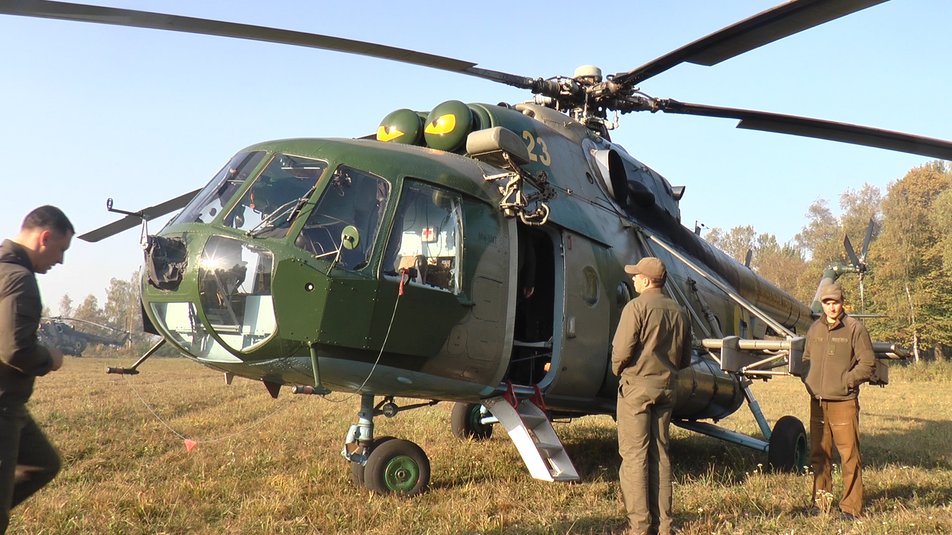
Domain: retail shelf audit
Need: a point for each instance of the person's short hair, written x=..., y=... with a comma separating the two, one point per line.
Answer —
x=48, y=217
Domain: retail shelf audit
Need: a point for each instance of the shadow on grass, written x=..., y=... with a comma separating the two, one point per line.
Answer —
x=922, y=494
x=596, y=454
x=926, y=446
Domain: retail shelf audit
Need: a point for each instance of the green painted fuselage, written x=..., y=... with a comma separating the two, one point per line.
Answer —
x=429, y=300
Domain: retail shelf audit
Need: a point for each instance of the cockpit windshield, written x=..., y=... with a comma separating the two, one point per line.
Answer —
x=219, y=192
x=277, y=196
x=268, y=206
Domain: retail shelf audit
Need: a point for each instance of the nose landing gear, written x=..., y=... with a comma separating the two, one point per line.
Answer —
x=386, y=465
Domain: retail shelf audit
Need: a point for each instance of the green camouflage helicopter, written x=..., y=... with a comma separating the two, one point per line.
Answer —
x=60, y=333
x=471, y=253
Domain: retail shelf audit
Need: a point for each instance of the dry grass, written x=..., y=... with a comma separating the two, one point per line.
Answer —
x=272, y=466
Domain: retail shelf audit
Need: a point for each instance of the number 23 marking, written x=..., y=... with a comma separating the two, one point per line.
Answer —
x=543, y=157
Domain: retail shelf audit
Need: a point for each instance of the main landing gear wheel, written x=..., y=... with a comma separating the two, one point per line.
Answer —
x=788, y=450
x=357, y=469
x=397, y=467
x=466, y=421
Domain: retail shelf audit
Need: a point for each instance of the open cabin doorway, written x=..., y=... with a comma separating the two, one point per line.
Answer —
x=535, y=307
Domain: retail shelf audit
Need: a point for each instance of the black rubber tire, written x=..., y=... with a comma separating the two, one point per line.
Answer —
x=465, y=421
x=397, y=467
x=357, y=469
x=789, y=450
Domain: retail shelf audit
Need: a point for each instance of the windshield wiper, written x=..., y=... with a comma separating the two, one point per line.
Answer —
x=268, y=221
x=300, y=203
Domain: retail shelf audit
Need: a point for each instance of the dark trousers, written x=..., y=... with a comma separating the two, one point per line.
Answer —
x=27, y=459
x=836, y=423
x=644, y=418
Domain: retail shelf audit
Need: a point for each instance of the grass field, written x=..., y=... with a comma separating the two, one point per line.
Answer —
x=273, y=466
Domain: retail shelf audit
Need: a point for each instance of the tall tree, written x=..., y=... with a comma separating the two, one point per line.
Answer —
x=911, y=283
x=66, y=306
x=122, y=308
x=818, y=238
x=735, y=242
x=779, y=264
x=89, y=311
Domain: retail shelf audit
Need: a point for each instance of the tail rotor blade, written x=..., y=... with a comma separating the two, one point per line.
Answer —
x=869, y=237
x=850, y=253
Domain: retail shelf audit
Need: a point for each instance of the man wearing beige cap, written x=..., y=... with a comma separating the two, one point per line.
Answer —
x=652, y=342
x=840, y=354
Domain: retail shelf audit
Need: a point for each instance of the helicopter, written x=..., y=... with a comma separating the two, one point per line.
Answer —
x=394, y=265
x=59, y=332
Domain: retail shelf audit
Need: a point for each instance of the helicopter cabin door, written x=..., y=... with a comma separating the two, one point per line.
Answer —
x=582, y=337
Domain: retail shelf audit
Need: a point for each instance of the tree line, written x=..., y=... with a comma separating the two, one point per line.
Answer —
x=906, y=292
x=121, y=312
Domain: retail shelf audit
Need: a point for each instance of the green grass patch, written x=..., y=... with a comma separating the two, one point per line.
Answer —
x=273, y=466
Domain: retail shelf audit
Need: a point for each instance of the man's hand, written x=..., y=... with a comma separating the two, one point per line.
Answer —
x=57, y=357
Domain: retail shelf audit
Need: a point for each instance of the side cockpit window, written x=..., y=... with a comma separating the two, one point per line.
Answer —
x=425, y=241
x=349, y=212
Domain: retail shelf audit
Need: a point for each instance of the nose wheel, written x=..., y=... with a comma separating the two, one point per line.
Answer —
x=397, y=467
x=385, y=465
x=357, y=468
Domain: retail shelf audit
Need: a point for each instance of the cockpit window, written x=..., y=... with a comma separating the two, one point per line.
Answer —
x=234, y=279
x=277, y=196
x=425, y=240
x=349, y=212
x=219, y=192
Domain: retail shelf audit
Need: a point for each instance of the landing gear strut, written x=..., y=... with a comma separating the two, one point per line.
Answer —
x=386, y=465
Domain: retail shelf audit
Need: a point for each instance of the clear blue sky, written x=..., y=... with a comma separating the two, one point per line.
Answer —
x=89, y=112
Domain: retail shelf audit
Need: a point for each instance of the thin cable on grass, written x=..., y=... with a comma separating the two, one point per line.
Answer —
x=222, y=438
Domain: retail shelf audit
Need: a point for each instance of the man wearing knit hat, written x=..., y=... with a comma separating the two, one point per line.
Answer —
x=840, y=354
x=652, y=342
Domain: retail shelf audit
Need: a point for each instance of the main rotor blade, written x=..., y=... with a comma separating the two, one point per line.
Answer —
x=160, y=21
x=148, y=214
x=763, y=28
x=818, y=128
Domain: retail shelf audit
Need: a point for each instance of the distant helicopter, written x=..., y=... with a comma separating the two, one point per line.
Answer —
x=60, y=333
x=471, y=253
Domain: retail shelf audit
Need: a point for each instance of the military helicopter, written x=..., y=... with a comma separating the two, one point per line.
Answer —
x=470, y=253
x=59, y=332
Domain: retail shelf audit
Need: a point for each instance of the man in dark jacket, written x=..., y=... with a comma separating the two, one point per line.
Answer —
x=652, y=342
x=841, y=357
x=27, y=459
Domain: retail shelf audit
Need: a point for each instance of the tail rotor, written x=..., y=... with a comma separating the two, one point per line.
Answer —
x=858, y=263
